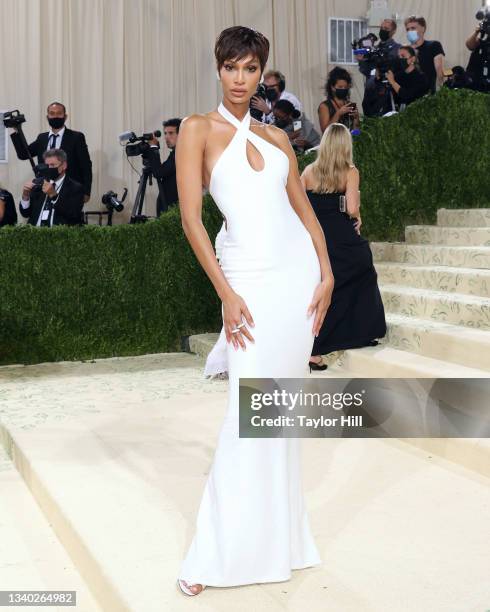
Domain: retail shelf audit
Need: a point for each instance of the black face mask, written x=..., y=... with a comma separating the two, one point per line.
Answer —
x=403, y=63
x=271, y=94
x=384, y=35
x=342, y=94
x=400, y=64
x=56, y=122
x=52, y=174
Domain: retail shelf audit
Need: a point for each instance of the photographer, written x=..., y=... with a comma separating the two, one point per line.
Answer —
x=406, y=82
x=457, y=78
x=388, y=48
x=478, y=43
x=275, y=89
x=337, y=108
x=61, y=137
x=302, y=134
x=429, y=52
x=165, y=173
x=58, y=201
x=8, y=214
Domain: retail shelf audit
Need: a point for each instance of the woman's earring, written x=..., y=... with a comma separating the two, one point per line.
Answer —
x=218, y=76
x=261, y=79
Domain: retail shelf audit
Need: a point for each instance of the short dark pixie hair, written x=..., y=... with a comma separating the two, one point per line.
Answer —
x=239, y=41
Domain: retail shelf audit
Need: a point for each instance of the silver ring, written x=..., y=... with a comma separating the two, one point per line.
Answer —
x=235, y=331
x=241, y=325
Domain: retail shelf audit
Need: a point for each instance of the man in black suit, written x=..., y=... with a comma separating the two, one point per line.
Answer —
x=61, y=137
x=165, y=173
x=60, y=199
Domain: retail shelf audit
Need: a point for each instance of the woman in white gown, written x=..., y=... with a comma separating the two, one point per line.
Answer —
x=275, y=284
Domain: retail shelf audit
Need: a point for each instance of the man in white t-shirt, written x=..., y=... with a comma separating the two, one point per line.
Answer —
x=275, y=89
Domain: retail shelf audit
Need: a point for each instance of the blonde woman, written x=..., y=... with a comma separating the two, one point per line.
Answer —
x=356, y=314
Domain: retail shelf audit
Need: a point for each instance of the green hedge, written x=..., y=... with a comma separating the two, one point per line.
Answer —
x=80, y=293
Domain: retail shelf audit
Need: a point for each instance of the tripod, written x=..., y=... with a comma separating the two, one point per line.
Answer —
x=146, y=176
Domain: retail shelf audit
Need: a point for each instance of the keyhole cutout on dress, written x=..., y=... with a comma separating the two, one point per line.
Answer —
x=254, y=157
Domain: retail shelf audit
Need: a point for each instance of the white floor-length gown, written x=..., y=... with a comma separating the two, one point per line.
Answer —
x=252, y=525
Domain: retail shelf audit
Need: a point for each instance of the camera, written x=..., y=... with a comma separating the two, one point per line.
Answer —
x=260, y=93
x=138, y=145
x=4, y=194
x=42, y=172
x=484, y=19
x=373, y=55
x=110, y=200
x=12, y=119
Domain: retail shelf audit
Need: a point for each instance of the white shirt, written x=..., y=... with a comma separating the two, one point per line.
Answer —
x=285, y=95
x=57, y=185
x=58, y=140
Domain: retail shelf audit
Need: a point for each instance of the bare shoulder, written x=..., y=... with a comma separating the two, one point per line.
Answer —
x=195, y=123
x=307, y=170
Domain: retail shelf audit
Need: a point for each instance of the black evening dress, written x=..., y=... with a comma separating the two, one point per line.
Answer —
x=356, y=314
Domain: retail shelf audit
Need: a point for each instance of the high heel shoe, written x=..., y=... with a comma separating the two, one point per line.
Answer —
x=317, y=366
x=184, y=587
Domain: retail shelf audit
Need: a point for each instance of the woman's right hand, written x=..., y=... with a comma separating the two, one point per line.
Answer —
x=343, y=110
x=234, y=310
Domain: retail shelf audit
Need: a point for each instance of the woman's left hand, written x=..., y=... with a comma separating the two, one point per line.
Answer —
x=321, y=302
x=357, y=225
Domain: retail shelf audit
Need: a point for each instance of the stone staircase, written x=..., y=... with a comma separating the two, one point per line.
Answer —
x=436, y=291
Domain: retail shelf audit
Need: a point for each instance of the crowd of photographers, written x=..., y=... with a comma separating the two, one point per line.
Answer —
x=395, y=75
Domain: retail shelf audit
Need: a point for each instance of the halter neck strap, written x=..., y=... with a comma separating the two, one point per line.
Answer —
x=244, y=123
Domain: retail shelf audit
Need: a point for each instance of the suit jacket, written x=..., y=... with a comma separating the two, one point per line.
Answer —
x=167, y=179
x=75, y=147
x=68, y=207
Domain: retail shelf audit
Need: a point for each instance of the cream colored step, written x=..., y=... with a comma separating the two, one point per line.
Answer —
x=456, y=308
x=126, y=466
x=451, y=236
x=438, y=340
x=143, y=470
x=32, y=557
x=437, y=255
x=201, y=344
x=386, y=362
x=105, y=449
x=470, y=281
x=464, y=217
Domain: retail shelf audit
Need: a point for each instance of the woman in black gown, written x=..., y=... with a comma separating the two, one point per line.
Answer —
x=356, y=314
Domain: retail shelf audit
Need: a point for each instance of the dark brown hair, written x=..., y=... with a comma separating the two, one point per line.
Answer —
x=239, y=41
x=420, y=20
